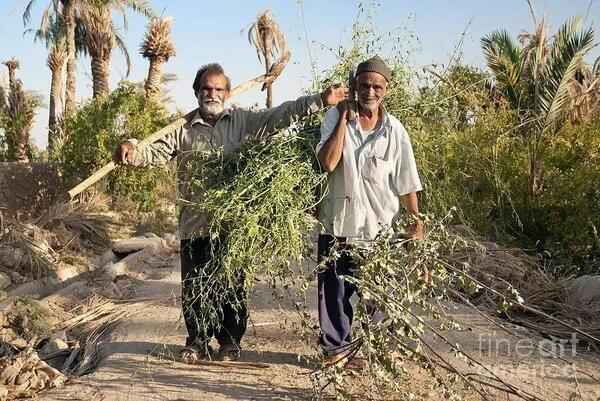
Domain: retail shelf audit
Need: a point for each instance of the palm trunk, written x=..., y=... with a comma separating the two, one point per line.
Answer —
x=12, y=78
x=153, y=82
x=56, y=63
x=268, y=64
x=100, y=75
x=536, y=171
x=22, y=145
x=69, y=16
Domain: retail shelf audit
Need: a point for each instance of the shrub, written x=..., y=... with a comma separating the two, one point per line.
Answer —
x=95, y=131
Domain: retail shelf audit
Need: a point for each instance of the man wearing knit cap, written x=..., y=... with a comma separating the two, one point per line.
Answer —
x=372, y=174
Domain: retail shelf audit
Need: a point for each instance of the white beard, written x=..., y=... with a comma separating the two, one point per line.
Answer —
x=210, y=109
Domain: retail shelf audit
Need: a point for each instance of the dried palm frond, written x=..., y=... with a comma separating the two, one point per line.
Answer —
x=535, y=51
x=157, y=43
x=99, y=36
x=57, y=56
x=266, y=36
x=585, y=94
x=12, y=65
x=98, y=313
x=85, y=218
x=25, y=248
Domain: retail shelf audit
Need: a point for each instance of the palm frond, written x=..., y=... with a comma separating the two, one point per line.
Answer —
x=532, y=11
x=99, y=30
x=570, y=45
x=123, y=48
x=596, y=67
x=27, y=12
x=504, y=58
x=535, y=50
x=157, y=41
x=142, y=7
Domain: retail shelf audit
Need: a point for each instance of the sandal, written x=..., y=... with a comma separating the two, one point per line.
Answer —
x=229, y=353
x=193, y=354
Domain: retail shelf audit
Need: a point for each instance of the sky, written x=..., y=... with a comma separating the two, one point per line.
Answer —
x=215, y=31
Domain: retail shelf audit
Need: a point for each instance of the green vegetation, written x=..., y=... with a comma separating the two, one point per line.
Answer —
x=259, y=204
x=96, y=130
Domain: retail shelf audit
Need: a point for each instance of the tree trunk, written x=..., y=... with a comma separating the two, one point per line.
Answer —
x=56, y=63
x=153, y=82
x=22, y=145
x=100, y=75
x=268, y=64
x=536, y=172
x=12, y=77
x=69, y=16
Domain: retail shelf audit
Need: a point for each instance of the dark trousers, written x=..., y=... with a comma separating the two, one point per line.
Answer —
x=335, y=309
x=230, y=324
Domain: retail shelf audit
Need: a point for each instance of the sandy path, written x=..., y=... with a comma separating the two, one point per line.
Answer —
x=137, y=362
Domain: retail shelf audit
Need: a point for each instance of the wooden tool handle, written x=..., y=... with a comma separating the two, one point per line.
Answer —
x=107, y=168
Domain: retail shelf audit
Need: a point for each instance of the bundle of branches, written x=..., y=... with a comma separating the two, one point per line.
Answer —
x=258, y=204
x=407, y=283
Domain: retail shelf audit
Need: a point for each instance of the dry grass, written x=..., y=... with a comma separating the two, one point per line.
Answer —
x=546, y=308
x=87, y=218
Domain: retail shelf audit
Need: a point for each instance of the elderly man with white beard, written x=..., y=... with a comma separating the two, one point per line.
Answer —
x=212, y=128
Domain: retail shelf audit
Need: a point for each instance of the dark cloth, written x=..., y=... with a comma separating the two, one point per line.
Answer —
x=375, y=64
x=335, y=309
x=230, y=325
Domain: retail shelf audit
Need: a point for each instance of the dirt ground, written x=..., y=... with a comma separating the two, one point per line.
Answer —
x=138, y=360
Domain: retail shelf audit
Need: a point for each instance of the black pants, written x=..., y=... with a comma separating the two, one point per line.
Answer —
x=229, y=325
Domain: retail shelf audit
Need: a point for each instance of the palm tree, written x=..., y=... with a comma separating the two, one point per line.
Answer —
x=52, y=33
x=535, y=78
x=18, y=109
x=72, y=13
x=67, y=9
x=157, y=47
x=269, y=41
x=12, y=65
x=101, y=37
x=99, y=42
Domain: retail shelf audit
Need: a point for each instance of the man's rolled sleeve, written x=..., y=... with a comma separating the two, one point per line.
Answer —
x=328, y=126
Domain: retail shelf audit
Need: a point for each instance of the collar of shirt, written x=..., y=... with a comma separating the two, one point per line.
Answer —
x=199, y=120
x=379, y=129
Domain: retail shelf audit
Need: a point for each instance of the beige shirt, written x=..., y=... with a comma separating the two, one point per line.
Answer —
x=232, y=129
x=363, y=194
